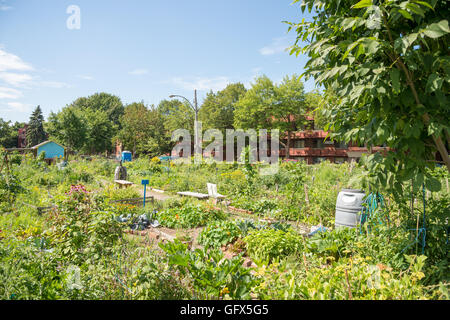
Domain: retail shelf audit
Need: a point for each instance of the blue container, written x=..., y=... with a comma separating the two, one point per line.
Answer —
x=126, y=156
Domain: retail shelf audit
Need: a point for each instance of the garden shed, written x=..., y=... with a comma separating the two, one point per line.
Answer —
x=52, y=150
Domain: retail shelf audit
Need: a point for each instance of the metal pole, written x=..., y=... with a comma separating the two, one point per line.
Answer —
x=145, y=189
x=197, y=147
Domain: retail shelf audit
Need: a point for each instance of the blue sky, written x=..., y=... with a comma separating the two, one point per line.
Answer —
x=138, y=49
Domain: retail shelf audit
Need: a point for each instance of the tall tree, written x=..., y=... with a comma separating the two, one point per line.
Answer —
x=159, y=142
x=68, y=127
x=100, y=131
x=289, y=111
x=9, y=133
x=135, y=127
x=177, y=115
x=35, y=131
x=106, y=102
x=217, y=111
x=268, y=106
x=315, y=106
x=388, y=63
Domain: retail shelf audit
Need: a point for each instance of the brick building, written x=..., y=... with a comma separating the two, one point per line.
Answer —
x=22, y=137
x=311, y=146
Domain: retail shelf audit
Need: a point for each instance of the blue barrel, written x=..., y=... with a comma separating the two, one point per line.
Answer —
x=126, y=156
x=348, y=208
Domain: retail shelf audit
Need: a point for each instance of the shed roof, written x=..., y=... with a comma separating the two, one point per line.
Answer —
x=44, y=143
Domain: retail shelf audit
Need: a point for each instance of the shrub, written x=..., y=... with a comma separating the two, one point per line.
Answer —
x=218, y=233
x=268, y=244
x=213, y=276
x=188, y=216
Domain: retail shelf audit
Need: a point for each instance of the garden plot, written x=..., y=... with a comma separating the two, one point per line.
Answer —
x=233, y=255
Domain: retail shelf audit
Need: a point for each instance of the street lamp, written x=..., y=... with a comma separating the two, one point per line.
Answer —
x=195, y=109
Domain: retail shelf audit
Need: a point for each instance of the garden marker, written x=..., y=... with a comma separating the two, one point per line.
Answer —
x=145, y=183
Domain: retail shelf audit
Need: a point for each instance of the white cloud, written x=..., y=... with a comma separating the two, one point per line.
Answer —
x=138, y=72
x=256, y=70
x=9, y=93
x=15, y=79
x=205, y=84
x=84, y=77
x=9, y=61
x=54, y=84
x=18, y=107
x=278, y=45
x=5, y=8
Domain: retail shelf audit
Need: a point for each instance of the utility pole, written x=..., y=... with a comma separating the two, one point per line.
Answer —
x=197, y=127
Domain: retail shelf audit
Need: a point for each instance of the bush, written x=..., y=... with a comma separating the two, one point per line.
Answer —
x=266, y=245
x=189, y=216
x=218, y=234
x=81, y=229
x=213, y=276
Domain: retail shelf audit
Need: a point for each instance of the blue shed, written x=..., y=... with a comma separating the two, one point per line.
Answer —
x=52, y=150
x=126, y=156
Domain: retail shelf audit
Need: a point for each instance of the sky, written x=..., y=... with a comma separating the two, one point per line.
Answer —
x=139, y=50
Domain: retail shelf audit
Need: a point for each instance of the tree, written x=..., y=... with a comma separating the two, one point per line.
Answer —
x=68, y=127
x=176, y=115
x=35, y=131
x=100, y=131
x=268, y=106
x=159, y=142
x=135, y=127
x=290, y=110
x=316, y=105
x=388, y=63
x=9, y=133
x=106, y=102
x=217, y=111
x=89, y=123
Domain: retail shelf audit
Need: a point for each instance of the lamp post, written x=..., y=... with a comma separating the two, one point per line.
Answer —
x=197, y=149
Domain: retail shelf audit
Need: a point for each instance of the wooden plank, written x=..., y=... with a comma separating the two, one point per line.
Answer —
x=133, y=199
x=193, y=194
x=124, y=182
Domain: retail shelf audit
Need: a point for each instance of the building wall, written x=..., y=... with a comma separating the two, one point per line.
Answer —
x=309, y=145
x=22, y=137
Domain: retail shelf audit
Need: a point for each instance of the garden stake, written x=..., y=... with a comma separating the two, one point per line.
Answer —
x=350, y=296
x=145, y=183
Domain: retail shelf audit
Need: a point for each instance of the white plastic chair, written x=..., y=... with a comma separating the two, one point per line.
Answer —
x=212, y=191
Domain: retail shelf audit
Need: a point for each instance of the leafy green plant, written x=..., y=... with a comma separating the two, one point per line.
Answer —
x=213, y=276
x=219, y=233
x=188, y=216
x=80, y=228
x=268, y=244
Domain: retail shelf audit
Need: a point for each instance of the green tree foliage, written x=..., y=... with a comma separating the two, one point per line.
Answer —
x=176, y=115
x=86, y=130
x=135, y=127
x=270, y=106
x=68, y=127
x=100, y=131
x=9, y=133
x=159, y=141
x=314, y=105
x=106, y=102
x=388, y=64
x=217, y=111
x=143, y=130
x=88, y=124
x=35, y=131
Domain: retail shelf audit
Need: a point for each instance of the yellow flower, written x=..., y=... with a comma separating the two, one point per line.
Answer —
x=224, y=291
